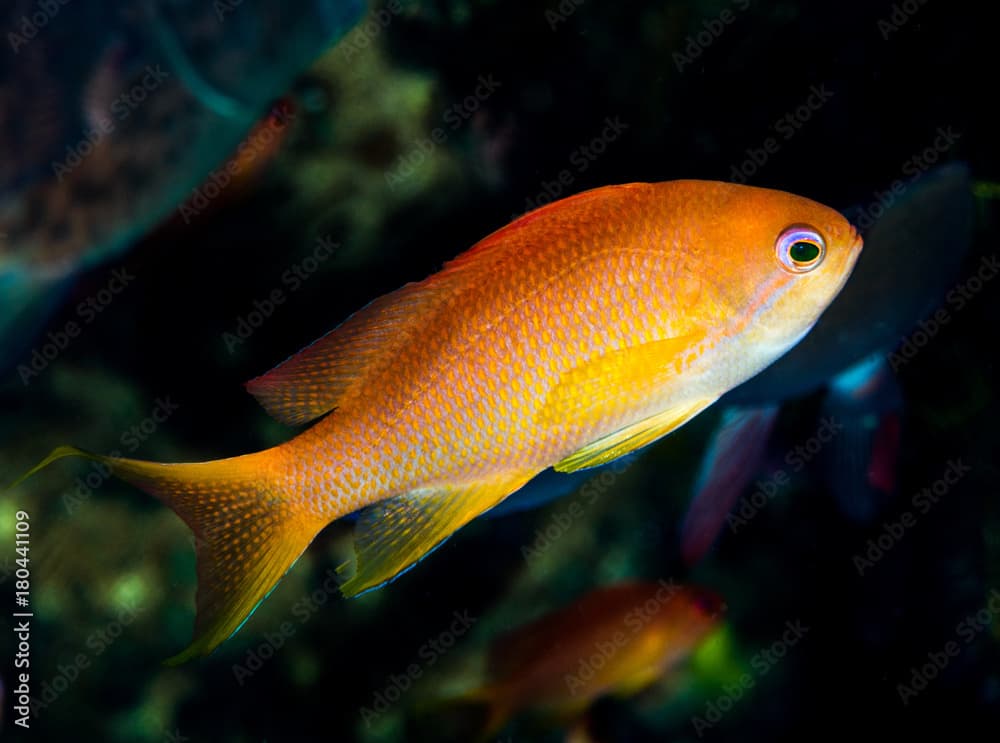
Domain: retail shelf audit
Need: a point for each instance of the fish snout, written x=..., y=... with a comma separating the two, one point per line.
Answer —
x=856, y=240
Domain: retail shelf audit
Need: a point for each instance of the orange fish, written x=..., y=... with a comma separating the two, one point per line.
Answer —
x=261, y=145
x=580, y=332
x=616, y=640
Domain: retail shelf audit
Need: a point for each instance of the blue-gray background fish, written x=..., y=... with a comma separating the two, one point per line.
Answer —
x=112, y=112
x=915, y=242
x=914, y=246
x=913, y=252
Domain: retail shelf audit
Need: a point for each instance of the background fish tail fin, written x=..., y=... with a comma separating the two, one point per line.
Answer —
x=495, y=707
x=476, y=715
x=248, y=530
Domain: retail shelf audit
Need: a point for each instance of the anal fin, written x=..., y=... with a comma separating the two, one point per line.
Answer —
x=391, y=536
x=621, y=442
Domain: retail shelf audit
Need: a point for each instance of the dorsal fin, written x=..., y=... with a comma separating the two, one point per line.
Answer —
x=331, y=371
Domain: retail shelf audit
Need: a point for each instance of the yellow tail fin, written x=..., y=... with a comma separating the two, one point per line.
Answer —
x=248, y=530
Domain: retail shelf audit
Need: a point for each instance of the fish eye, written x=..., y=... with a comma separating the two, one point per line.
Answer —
x=800, y=248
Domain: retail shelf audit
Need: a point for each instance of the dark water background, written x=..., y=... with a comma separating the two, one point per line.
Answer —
x=888, y=95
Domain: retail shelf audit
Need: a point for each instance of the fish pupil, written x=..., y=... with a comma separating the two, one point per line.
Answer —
x=804, y=252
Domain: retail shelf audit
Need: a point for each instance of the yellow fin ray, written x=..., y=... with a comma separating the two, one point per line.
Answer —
x=628, y=439
x=58, y=453
x=393, y=535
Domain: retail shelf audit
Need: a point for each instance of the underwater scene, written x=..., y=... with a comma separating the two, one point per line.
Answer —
x=476, y=371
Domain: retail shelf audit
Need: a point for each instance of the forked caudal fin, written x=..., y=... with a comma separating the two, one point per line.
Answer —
x=248, y=530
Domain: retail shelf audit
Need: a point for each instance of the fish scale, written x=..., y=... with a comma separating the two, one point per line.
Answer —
x=578, y=333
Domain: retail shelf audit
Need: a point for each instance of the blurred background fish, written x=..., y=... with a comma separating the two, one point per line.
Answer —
x=113, y=113
x=616, y=640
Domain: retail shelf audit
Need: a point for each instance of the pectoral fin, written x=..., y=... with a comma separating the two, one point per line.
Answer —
x=608, y=383
x=392, y=536
x=630, y=438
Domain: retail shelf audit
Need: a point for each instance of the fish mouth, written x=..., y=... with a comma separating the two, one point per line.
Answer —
x=857, y=242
